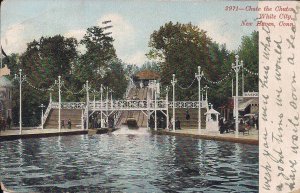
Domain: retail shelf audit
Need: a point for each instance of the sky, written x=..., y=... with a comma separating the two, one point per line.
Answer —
x=133, y=21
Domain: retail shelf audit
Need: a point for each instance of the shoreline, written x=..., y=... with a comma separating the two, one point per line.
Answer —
x=243, y=139
x=251, y=139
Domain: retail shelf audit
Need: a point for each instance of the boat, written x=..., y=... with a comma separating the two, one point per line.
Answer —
x=132, y=123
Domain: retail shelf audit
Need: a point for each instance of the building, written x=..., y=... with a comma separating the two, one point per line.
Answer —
x=143, y=78
x=248, y=104
x=5, y=94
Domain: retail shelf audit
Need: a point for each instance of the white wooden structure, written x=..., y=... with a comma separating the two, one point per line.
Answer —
x=212, y=120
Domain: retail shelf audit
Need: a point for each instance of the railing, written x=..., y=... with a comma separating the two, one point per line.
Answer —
x=68, y=105
x=187, y=104
x=128, y=105
x=46, y=114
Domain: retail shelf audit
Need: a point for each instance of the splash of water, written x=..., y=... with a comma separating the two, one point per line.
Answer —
x=124, y=130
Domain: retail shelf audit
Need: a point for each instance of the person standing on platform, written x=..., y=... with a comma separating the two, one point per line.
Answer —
x=69, y=124
x=8, y=122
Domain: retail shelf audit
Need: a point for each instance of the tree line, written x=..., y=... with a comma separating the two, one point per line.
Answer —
x=174, y=48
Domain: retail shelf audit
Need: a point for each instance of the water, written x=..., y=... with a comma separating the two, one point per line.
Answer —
x=128, y=161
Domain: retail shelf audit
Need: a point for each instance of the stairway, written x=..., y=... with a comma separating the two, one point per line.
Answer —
x=73, y=114
x=192, y=123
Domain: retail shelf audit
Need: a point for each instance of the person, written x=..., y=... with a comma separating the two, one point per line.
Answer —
x=256, y=122
x=98, y=123
x=162, y=123
x=4, y=124
x=1, y=126
x=8, y=121
x=187, y=115
x=62, y=123
x=69, y=124
x=253, y=121
x=177, y=123
x=221, y=125
x=151, y=122
x=241, y=122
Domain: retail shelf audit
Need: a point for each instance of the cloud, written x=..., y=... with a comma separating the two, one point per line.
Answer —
x=78, y=34
x=138, y=58
x=13, y=40
x=122, y=31
x=216, y=29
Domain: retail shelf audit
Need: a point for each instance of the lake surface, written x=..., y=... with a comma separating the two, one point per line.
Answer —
x=128, y=161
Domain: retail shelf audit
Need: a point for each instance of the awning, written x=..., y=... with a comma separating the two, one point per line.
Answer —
x=243, y=105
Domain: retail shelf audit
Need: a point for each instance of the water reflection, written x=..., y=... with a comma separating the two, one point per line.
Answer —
x=128, y=163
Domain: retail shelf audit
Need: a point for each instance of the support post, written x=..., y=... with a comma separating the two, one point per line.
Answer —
x=21, y=79
x=107, y=106
x=243, y=85
x=20, y=118
x=94, y=103
x=199, y=76
x=42, y=118
x=59, y=84
x=173, y=82
x=232, y=87
x=87, y=88
x=167, y=107
x=101, y=102
x=111, y=99
x=82, y=121
x=155, y=113
x=236, y=68
x=206, y=98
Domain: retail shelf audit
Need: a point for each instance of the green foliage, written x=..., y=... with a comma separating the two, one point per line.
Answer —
x=248, y=52
x=48, y=57
x=181, y=48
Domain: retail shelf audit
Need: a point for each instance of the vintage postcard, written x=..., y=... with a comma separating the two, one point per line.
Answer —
x=149, y=96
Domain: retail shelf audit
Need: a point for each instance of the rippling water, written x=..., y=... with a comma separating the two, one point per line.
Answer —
x=128, y=162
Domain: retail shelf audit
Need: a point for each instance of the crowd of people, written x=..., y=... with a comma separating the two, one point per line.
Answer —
x=244, y=123
x=162, y=123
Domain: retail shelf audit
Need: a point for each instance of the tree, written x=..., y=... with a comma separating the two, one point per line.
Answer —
x=100, y=51
x=248, y=52
x=181, y=48
x=42, y=62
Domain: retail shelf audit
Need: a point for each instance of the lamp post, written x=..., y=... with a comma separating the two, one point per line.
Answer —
x=94, y=102
x=20, y=79
x=59, y=84
x=236, y=67
x=107, y=90
x=167, y=105
x=173, y=82
x=42, y=119
x=155, y=113
x=111, y=99
x=87, y=88
x=243, y=87
x=101, y=98
x=206, y=99
x=199, y=76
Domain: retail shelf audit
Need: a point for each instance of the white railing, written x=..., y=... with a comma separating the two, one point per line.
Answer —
x=46, y=114
x=68, y=105
x=128, y=105
x=187, y=104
